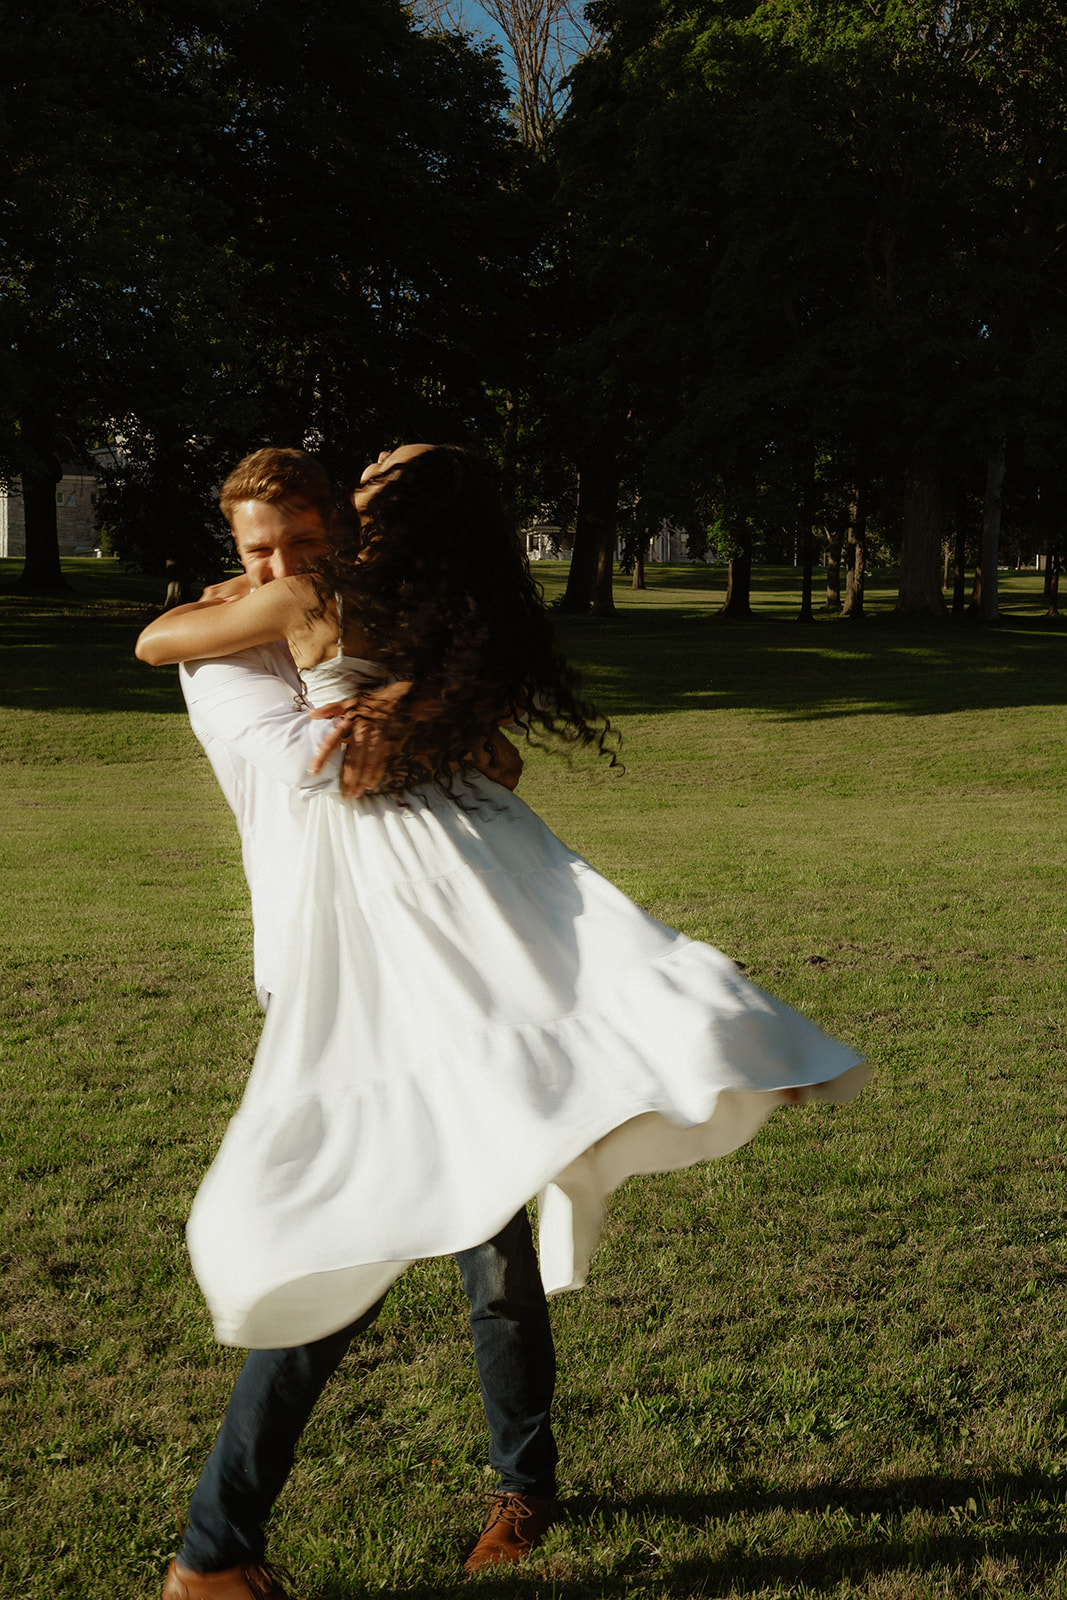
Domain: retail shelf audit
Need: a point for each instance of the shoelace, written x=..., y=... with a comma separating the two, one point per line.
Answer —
x=508, y=1508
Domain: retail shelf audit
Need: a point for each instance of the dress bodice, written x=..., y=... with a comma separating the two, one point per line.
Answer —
x=339, y=676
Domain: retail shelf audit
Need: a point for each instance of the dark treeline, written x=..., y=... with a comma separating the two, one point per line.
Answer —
x=790, y=276
x=238, y=221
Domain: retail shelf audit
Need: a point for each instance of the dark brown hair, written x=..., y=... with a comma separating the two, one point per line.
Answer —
x=442, y=589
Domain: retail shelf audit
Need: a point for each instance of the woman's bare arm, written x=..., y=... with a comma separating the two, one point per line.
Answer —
x=221, y=627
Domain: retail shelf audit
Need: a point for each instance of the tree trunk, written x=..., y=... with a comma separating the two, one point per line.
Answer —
x=806, y=614
x=920, y=593
x=41, y=573
x=806, y=540
x=1052, y=588
x=508, y=455
x=834, y=540
x=989, y=608
x=578, y=595
x=175, y=584
x=959, y=560
x=607, y=536
x=856, y=561
x=595, y=532
x=738, y=602
x=1051, y=513
x=974, y=605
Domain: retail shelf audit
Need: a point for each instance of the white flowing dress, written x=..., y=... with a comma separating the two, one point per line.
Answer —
x=471, y=1017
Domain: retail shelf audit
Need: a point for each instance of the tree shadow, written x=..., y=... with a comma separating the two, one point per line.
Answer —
x=78, y=662
x=872, y=1549
x=890, y=1497
x=76, y=654
x=655, y=662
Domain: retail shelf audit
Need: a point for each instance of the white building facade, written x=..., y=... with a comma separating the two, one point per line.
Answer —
x=75, y=515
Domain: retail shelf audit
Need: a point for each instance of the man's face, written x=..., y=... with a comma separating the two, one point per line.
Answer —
x=374, y=475
x=277, y=540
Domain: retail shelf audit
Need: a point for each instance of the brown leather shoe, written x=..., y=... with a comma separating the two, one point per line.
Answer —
x=254, y=1582
x=516, y=1523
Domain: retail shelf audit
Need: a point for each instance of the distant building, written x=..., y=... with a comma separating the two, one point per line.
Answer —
x=75, y=514
x=670, y=544
x=547, y=542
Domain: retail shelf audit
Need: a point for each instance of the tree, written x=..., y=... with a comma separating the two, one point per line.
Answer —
x=99, y=224
x=380, y=222
x=255, y=225
x=544, y=40
x=808, y=224
x=676, y=153
x=856, y=558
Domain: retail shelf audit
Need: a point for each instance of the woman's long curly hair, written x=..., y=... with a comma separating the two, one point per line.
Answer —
x=442, y=589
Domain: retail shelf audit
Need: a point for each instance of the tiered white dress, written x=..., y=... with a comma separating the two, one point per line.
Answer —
x=472, y=1016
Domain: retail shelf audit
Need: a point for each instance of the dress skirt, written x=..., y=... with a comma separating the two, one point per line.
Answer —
x=471, y=1017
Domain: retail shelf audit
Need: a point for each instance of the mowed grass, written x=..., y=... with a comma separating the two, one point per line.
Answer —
x=829, y=1365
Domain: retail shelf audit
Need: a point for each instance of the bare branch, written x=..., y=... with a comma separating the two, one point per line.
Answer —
x=442, y=16
x=543, y=41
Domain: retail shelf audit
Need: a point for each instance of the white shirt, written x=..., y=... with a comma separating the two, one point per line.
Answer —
x=260, y=745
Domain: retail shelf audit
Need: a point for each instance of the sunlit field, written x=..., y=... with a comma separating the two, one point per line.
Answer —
x=832, y=1364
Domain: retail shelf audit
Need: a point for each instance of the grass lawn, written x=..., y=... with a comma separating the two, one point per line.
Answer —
x=829, y=1365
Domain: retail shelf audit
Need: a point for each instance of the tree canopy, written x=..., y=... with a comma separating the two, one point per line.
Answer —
x=775, y=268
x=237, y=224
x=828, y=231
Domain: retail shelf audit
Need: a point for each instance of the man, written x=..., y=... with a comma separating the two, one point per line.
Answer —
x=279, y=504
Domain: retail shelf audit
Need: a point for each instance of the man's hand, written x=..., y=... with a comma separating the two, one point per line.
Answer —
x=229, y=589
x=361, y=725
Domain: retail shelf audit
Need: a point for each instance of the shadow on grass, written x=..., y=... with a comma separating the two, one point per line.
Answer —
x=75, y=653
x=82, y=663
x=876, y=1547
x=656, y=661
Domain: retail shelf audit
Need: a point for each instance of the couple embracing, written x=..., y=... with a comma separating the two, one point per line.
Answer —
x=461, y=1013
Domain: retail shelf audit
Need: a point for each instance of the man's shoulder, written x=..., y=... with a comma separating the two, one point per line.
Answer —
x=263, y=660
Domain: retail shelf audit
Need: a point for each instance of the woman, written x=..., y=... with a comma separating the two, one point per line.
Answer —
x=471, y=1015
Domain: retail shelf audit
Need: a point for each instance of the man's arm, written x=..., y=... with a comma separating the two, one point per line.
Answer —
x=242, y=703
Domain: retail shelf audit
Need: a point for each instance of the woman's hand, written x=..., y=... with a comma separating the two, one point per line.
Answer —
x=362, y=725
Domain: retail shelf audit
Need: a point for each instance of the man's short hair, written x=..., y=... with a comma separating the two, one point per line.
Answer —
x=274, y=475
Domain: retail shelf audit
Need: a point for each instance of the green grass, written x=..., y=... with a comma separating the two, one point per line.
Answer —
x=830, y=1365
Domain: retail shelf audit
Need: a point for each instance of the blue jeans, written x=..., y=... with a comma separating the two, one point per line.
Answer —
x=277, y=1389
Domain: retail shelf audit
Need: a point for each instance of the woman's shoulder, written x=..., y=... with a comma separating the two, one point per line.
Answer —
x=292, y=602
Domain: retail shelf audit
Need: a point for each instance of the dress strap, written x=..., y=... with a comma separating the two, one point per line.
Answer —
x=339, y=603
